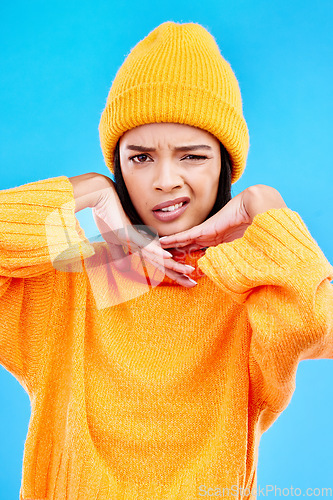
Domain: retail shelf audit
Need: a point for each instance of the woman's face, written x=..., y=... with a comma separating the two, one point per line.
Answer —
x=172, y=163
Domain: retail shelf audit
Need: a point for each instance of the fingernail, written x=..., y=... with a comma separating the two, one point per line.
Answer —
x=189, y=267
x=166, y=252
x=192, y=281
x=163, y=238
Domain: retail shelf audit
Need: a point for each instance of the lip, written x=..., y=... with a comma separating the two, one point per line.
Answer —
x=169, y=216
x=171, y=202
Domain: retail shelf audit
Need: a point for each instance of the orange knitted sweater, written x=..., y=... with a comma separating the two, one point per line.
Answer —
x=141, y=388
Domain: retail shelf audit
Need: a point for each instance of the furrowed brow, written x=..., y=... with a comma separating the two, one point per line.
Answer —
x=193, y=147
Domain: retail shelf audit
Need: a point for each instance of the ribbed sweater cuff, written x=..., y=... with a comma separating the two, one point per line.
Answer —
x=275, y=249
x=38, y=229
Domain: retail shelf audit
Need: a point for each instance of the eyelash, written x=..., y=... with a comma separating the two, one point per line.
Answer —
x=196, y=157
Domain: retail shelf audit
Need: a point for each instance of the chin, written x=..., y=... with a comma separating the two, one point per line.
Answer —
x=169, y=228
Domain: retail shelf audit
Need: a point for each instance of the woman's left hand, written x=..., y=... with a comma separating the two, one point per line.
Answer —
x=230, y=222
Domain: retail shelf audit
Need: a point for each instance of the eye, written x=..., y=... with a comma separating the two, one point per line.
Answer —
x=138, y=156
x=197, y=157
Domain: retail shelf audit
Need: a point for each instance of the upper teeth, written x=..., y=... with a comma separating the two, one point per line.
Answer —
x=172, y=207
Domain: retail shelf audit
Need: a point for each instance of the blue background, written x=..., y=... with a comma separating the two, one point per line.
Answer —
x=58, y=60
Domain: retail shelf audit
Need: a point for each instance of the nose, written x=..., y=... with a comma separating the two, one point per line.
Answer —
x=167, y=177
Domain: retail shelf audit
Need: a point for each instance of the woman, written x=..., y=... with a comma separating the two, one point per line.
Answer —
x=143, y=384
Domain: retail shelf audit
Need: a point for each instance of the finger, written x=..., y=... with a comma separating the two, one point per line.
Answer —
x=204, y=237
x=139, y=240
x=168, y=263
x=181, y=279
x=175, y=240
x=183, y=238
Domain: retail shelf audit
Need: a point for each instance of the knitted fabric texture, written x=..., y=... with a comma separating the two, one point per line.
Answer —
x=177, y=74
x=162, y=393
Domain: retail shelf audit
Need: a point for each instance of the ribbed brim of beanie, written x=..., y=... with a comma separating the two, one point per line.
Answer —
x=177, y=74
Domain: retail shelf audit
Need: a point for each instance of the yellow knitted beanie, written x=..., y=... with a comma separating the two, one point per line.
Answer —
x=177, y=74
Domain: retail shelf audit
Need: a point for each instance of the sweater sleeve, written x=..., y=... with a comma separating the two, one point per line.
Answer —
x=280, y=275
x=37, y=226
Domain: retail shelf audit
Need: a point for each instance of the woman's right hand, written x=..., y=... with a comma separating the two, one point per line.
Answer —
x=117, y=230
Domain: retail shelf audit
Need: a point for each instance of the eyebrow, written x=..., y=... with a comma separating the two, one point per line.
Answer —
x=179, y=148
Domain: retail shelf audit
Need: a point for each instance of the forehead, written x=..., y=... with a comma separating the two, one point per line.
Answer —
x=167, y=133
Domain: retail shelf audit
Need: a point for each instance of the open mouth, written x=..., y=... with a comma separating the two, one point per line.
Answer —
x=172, y=212
x=172, y=208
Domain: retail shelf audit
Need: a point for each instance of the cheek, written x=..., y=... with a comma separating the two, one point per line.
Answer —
x=137, y=191
x=206, y=189
x=133, y=185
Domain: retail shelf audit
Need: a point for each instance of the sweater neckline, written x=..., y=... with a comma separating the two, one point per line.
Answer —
x=189, y=257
